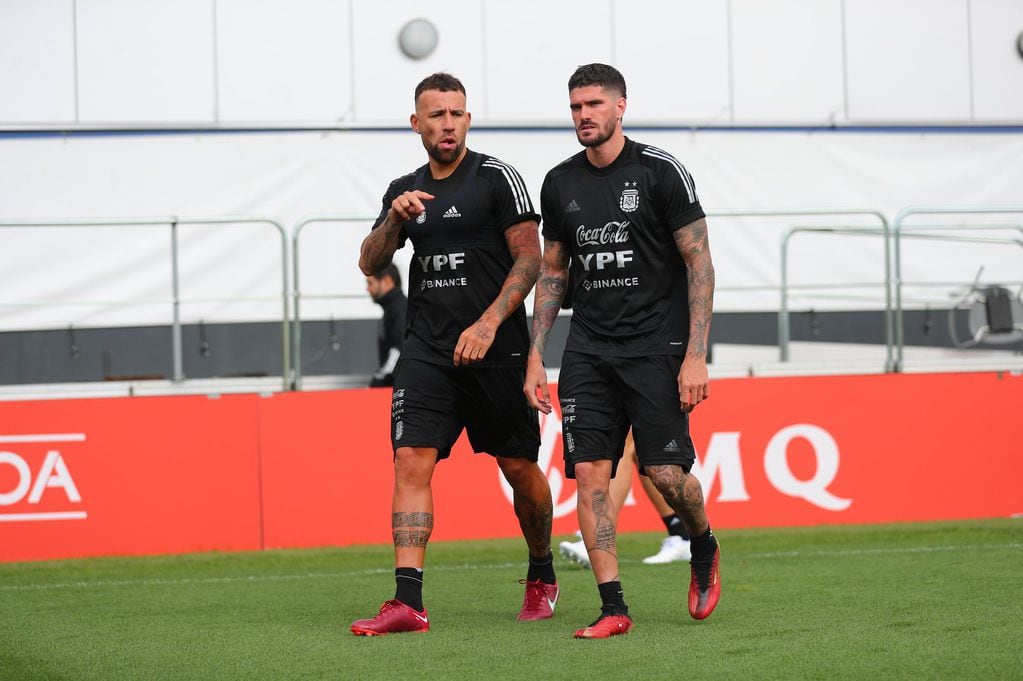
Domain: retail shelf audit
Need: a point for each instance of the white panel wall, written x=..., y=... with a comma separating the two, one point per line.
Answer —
x=997, y=66
x=787, y=54
x=532, y=47
x=687, y=62
x=284, y=60
x=385, y=78
x=908, y=60
x=674, y=56
x=37, y=46
x=145, y=61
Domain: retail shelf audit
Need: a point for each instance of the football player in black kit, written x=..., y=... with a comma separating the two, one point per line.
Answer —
x=627, y=217
x=477, y=254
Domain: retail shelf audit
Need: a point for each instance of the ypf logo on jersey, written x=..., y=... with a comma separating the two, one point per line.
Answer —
x=36, y=483
x=629, y=200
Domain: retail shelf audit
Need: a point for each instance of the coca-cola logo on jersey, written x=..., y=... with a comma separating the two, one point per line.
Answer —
x=611, y=233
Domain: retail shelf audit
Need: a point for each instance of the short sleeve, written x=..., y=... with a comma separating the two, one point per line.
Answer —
x=552, y=227
x=679, y=203
x=509, y=198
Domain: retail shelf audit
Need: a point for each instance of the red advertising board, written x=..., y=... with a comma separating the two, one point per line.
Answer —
x=178, y=474
x=128, y=476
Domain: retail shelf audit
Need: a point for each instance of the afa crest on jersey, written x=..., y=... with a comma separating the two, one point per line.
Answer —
x=630, y=198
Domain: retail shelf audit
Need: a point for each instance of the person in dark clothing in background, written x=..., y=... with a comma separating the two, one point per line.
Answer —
x=384, y=288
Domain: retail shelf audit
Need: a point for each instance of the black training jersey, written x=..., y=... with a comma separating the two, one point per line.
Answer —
x=629, y=287
x=461, y=257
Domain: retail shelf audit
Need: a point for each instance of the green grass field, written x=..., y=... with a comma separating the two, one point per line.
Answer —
x=935, y=601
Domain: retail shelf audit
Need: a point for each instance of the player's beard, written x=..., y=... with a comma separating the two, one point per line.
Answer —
x=445, y=156
x=603, y=135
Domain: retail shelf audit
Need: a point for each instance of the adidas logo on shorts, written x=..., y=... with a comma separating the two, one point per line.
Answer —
x=452, y=213
x=671, y=446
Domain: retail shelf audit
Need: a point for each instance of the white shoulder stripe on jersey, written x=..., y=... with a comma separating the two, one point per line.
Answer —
x=515, y=182
x=687, y=179
x=498, y=163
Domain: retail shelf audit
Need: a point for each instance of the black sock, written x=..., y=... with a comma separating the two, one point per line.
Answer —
x=704, y=545
x=410, y=587
x=675, y=526
x=612, y=599
x=542, y=569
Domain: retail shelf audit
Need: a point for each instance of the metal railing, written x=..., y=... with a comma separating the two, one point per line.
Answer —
x=291, y=291
x=892, y=362
x=898, y=229
x=296, y=325
x=784, y=326
x=173, y=222
x=784, y=322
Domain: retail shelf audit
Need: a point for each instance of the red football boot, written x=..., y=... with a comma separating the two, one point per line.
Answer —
x=704, y=585
x=394, y=618
x=539, y=601
x=606, y=626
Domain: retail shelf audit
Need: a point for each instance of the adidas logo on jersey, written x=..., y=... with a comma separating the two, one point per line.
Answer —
x=452, y=213
x=573, y=207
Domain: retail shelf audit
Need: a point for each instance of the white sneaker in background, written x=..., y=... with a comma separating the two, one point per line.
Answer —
x=575, y=551
x=673, y=550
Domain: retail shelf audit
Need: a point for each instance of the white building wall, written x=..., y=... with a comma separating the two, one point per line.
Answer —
x=223, y=62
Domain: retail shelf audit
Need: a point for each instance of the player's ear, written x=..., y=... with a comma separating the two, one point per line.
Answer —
x=468, y=119
x=622, y=103
x=414, y=122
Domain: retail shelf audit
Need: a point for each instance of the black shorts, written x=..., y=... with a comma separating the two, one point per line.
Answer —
x=432, y=404
x=602, y=396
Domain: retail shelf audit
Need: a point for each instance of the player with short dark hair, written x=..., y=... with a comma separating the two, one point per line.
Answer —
x=384, y=288
x=441, y=82
x=627, y=217
x=477, y=254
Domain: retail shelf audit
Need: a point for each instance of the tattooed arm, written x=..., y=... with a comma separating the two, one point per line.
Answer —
x=694, y=247
x=550, y=291
x=524, y=246
x=379, y=246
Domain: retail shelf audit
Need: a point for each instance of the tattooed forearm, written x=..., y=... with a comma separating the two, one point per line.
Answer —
x=604, y=539
x=516, y=286
x=379, y=246
x=524, y=246
x=412, y=520
x=550, y=291
x=692, y=243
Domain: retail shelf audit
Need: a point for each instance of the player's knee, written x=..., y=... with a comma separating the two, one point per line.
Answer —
x=671, y=487
x=413, y=465
x=517, y=471
x=590, y=477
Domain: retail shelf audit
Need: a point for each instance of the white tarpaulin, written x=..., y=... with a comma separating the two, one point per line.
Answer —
x=51, y=277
